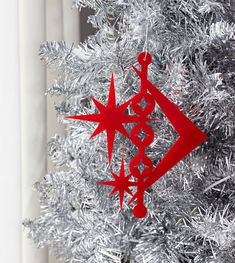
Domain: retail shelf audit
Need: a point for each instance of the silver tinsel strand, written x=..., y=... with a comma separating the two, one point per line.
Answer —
x=191, y=209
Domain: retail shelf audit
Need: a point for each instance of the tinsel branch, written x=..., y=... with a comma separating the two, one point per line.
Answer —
x=191, y=208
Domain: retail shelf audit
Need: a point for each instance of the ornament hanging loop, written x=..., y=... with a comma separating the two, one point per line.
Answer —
x=144, y=58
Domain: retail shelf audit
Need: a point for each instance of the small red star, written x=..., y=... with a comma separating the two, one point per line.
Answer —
x=110, y=118
x=121, y=184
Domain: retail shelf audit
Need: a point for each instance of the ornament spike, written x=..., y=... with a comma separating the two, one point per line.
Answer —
x=112, y=95
x=137, y=71
x=110, y=139
x=98, y=130
x=99, y=105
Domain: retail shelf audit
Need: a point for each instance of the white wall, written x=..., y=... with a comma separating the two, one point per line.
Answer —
x=10, y=177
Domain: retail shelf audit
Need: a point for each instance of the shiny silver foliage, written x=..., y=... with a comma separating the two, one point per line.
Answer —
x=191, y=209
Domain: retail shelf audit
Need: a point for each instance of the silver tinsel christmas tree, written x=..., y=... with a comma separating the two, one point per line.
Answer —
x=191, y=208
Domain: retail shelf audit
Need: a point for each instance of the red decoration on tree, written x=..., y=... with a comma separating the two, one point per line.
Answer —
x=111, y=118
x=121, y=184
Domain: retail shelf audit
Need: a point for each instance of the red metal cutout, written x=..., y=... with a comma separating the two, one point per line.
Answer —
x=111, y=119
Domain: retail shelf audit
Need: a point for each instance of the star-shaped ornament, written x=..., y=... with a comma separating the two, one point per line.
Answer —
x=110, y=118
x=121, y=184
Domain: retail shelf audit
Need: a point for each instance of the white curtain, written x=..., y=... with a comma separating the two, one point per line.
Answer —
x=39, y=20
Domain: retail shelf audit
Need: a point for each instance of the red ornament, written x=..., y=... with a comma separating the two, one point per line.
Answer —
x=111, y=118
x=121, y=183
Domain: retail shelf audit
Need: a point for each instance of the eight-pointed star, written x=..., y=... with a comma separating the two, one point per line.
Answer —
x=121, y=183
x=111, y=118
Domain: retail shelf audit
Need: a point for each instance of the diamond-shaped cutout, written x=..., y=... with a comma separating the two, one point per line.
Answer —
x=141, y=166
x=142, y=134
x=143, y=103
